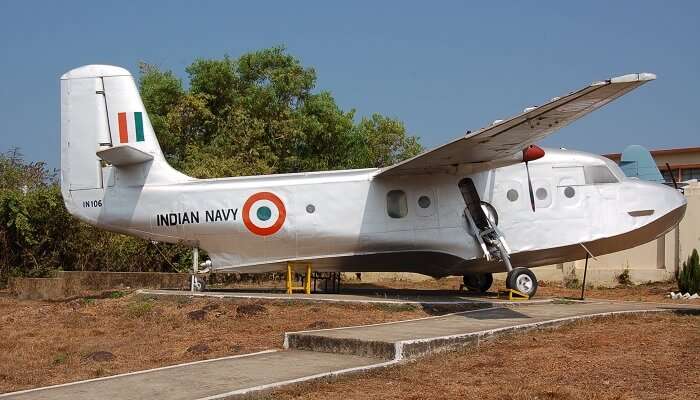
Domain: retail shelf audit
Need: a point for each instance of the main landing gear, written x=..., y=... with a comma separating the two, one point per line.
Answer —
x=478, y=282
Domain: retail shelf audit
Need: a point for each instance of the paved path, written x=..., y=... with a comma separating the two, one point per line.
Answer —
x=424, y=297
x=405, y=339
x=335, y=351
x=220, y=378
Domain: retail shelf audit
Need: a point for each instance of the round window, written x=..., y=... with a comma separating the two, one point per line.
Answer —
x=512, y=195
x=569, y=192
x=541, y=193
x=310, y=208
x=424, y=202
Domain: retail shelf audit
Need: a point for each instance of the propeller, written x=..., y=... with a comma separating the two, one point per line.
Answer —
x=531, y=153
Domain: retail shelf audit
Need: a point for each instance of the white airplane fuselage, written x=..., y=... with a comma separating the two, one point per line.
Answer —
x=354, y=221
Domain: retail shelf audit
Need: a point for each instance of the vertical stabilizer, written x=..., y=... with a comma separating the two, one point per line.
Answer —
x=101, y=111
x=636, y=161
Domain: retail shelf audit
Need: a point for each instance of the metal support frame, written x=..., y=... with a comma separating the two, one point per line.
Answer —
x=195, y=269
x=585, y=271
x=494, y=236
x=290, y=279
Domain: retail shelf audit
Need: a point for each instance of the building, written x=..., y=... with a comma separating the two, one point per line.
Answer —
x=684, y=163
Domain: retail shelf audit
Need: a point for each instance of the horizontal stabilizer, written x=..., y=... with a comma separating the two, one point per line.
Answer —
x=124, y=155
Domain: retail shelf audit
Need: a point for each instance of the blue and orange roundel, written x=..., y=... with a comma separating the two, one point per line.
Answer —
x=264, y=213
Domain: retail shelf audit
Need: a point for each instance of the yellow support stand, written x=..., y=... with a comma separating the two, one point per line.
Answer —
x=513, y=295
x=290, y=279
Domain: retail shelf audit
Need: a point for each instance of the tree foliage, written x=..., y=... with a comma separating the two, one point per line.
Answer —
x=257, y=114
x=37, y=235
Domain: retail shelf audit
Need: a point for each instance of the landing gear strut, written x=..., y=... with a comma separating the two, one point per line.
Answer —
x=478, y=282
x=523, y=280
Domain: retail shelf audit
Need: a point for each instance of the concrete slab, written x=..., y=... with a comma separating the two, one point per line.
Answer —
x=417, y=297
x=212, y=379
x=409, y=339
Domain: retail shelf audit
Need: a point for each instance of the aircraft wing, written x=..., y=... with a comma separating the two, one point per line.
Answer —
x=502, y=142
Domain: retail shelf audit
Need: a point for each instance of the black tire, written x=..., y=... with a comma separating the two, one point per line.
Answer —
x=523, y=280
x=478, y=282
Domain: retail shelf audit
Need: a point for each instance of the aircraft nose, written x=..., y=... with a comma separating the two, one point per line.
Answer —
x=655, y=200
x=674, y=201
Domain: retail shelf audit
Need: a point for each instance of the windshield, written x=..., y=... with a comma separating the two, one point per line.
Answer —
x=615, y=169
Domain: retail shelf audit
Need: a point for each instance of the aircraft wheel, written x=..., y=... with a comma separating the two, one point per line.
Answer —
x=478, y=282
x=199, y=284
x=523, y=280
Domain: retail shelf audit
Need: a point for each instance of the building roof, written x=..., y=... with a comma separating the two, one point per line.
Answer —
x=659, y=152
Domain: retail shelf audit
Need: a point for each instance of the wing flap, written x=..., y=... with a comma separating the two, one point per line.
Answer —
x=501, y=142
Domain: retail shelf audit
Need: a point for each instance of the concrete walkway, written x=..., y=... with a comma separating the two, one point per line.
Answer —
x=212, y=379
x=410, y=339
x=380, y=296
x=322, y=353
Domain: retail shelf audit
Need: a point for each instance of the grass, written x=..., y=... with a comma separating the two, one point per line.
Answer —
x=629, y=357
x=139, y=309
x=47, y=343
x=60, y=358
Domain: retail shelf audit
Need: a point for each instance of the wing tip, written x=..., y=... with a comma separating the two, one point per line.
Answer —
x=639, y=77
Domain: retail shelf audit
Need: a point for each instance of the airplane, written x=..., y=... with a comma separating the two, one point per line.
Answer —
x=489, y=201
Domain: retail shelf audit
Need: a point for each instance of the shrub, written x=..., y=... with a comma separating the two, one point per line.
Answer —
x=571, y=280
x=139, y=309
x=624, y=278
x=689, y=275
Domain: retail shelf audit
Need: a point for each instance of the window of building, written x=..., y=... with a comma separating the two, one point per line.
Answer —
x=596, y=174
x=667, y=174
x=396, y=204
x=690, y=173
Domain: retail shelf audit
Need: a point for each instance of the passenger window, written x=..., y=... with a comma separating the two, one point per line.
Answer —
x=541, y=193
x=396, y=204
x=596, y=174
x=424, y=202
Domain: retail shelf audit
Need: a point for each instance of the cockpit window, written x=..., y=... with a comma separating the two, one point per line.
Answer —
x=596, y=174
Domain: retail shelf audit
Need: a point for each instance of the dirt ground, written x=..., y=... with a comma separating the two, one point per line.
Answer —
x=634, y=357
x=47, y=343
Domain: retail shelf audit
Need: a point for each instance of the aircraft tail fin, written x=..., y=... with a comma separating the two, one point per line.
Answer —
x=104, y=130
x=106, y=138
x=637, y=162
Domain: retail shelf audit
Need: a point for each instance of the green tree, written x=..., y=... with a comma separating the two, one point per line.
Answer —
x=259, y=114
x=256, y=114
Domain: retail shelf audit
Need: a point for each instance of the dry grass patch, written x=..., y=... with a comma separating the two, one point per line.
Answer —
x=633, y=357
x=49, y=343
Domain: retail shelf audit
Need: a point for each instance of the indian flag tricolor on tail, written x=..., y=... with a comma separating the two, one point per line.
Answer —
x=130, y=126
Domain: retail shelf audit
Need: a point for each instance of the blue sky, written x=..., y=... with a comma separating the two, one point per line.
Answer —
x=441, y=67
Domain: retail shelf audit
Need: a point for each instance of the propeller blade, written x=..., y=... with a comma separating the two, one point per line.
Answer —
x=529, y=186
